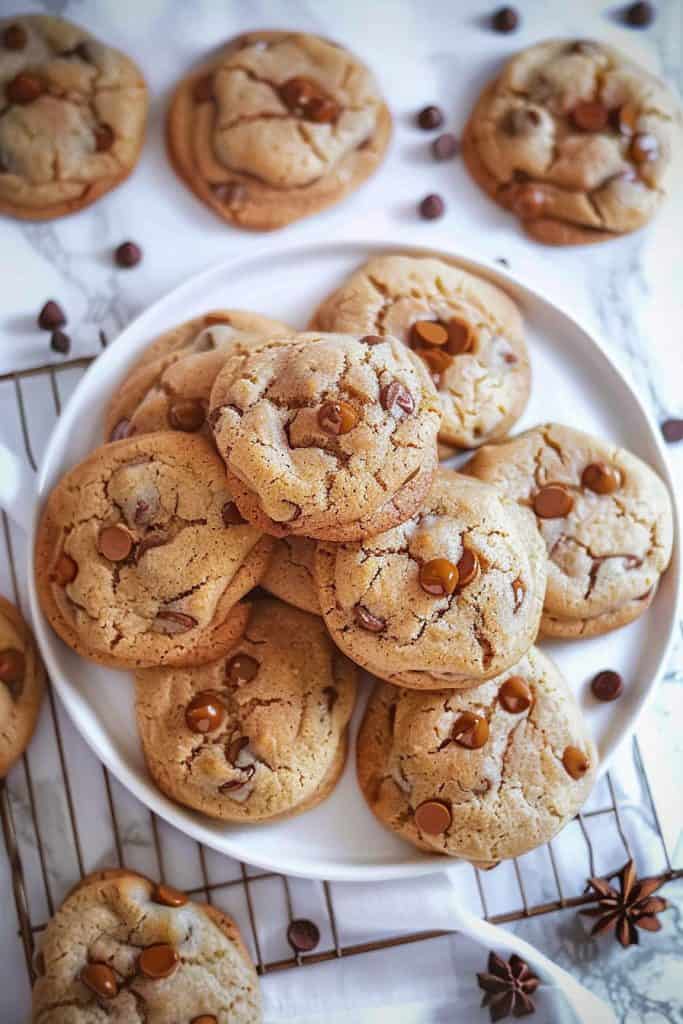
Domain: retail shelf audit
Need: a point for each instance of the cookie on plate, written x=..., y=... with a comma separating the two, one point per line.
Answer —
x=73, y=119
x=259, y=734
x=576, y=139
x=276, y=126
x=449, y=598
x=289, y=575
x=22, y=683
x=141, y=557
x=326, y=435
x=123, y=948
x=605, y=517
x=467, y=331
x=485, y=773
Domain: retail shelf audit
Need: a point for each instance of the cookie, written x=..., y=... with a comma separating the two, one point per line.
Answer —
x=448, y=599
x=258, y=734
x=605, y=517
x=123, y=948
x=141, y=556
x=73, y=121
x=169, y=386
x=576, y=139
x=485, y=773
x=276, y=126
x=326, y=435
x=468, y=332
x=289, y=575
x=22, y=683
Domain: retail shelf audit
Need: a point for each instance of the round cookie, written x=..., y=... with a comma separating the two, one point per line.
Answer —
x=605, y=517
x=22, y=683
x=73, y=121
x=326, y=436
x=289, y=575
x=448, y=599
x=259, y=734
x=485, y=773
x=276, y=126
x=575, y=139
x=121, y=947
x=467, y=331
x=141, y=557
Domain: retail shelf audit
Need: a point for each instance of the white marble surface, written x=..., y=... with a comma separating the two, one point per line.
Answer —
x=436, y=51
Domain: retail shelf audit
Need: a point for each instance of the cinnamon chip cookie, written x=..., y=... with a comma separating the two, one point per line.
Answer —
x=123, y=948
x=22, y=682
x=575, y=139
x=485, y=773
x=141, y=558
x=289, y=575
x=448, y=599
x=259, y=734
x=276, y=126
x=465, y=329
x=73, y=114
x=605, y=517
x=328, y=436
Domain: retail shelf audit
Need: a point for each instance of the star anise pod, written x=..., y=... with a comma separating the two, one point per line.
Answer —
x=508, y=985
x=631, y=906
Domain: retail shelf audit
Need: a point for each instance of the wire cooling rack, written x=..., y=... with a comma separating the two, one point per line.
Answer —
x=77, y=818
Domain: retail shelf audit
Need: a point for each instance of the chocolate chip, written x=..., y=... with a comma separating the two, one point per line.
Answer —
x=231, y=193
x=204, y=1018
x=121, y=430
x=100, y=979
x=60, y=342
x=445, y=146
x=436, y=359
x=468, y=568
x=518, y=592
x=432, y=207
x=430, y=118
x=331, y=696
x=297, y=92
x=460, y=337
x=104, y=138
x=186, y=414
x=114, y=543
x=640, y=15
x=170, y=622
x=624, y=118
x=232, y=515
x=322, y=110
x=167, y=896
x=470, y=731
x=205, y=712
x=372, y=339
x=672, y=430
x=606, y=685
x=433, y=817
x=396, y=399
x=235, y=748
x=438, y=577
x=241, y=669
x=158, y=961
x=505, y=19
x=428, y=332
x=601, y=478
x=12, y=666
x=303, y=935
x=15, y=37
x=366, y=620
x=575, y=762
x=202, y=89
x=65, y=571
x=515, y=695
x=127, y=255
x=553, y=502
x=337, y=418
x=25, y=88
x=51, y=316
x=590, y=116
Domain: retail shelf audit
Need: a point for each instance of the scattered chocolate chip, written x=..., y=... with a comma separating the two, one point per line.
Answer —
x=158, y=961
x=590, y=116
x=468, y=568
x=104, y=138
x=203, y=89
x=127, y=255
x=12, y=665
x=231, y=193
x=428, y=332
x=640, y=15
x=470, y=731
x=60, y=342
x=337, y=418
x=575, y=762
x=672, y=430
x=232, y=515
x=445, y=146
x=241, y=669
x=120, y=430
x=433, y=817
x=430, y=118
x=431, y=207
x=303, y=935
x=607, y=685
x=100, y=979
x=114, y=543
x=205, y=712
x=515, y=695
x=372, y=339
x=644, y=148
x=51, y=316
x=65, y=571
x=601, y=478
x=505, y=19
x=25, y=88
x=366, y=620
x=15, y=37
x=438, y=577
x=396, y=399
x=553, y=502
x=186, y=414
x=167, y=896
x=170, y=622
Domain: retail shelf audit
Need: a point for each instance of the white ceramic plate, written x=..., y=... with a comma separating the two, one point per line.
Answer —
x=574, y=382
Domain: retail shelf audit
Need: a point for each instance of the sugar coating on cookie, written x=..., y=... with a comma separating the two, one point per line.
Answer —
x=604, y=515
x=576, y=139
x=329, y=436
x=73, y=118
x=449, y=598
x=260, y=733
x=22, y=683
x=289, y=575
x=140, y=557
x=484, y=773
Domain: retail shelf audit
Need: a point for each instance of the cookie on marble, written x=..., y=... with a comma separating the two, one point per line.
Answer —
x=141, y=557
x=73, y=118
x=485, y=773
x=22, y=683
x=326, y=435
x=260, y=733
x=123, y=948
x=447, y=599
x=576, y=139
x=289, y=575
x=468, y=332
x=276, y=126
x=604, y=515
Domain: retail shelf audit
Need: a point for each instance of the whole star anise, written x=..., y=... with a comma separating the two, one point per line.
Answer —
x=630, y=907
x=507, y=986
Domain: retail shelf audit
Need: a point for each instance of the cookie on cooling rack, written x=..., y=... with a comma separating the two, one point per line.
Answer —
x=22, y=683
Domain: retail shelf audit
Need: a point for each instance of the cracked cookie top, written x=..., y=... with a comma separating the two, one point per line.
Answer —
x=258, y=734
x=484, y=773
x=604, y=515
x=141, y=556
x=122, y=948
x=448, y=599
x=72, y=116
x=327, y=436
x=465, y=329
x=22, y=682
x=289, y=575
x=576, y=139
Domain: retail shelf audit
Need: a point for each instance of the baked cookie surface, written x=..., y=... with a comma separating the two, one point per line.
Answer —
x=73, y=117
x=275, y=127
x=289, y=575
x=576, y=139
x=22, y=683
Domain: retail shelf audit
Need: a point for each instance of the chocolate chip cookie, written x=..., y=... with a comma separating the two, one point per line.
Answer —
x=465, y=329
x=276, y=126
x=141, y=558
x=576, y=139
x=73, y=117
x=605, y=517
x=485, y=773
x=22, y=682
x=449, y=598
x=289, y=575
x=259, y=734
x=326, y=435
x=123, y=948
